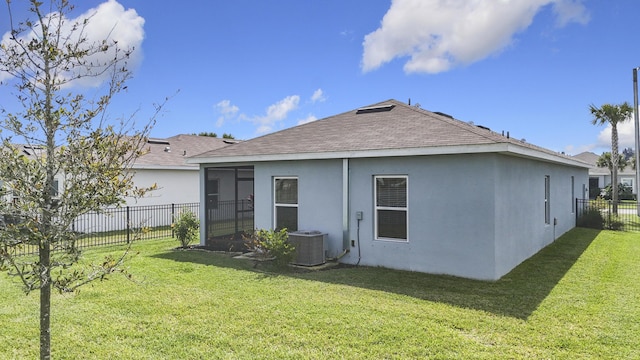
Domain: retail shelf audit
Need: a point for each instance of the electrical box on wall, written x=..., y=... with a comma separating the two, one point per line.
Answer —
x=359, y=215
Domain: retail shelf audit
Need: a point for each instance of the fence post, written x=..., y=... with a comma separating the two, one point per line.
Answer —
x=173, y=219
x=128, y=226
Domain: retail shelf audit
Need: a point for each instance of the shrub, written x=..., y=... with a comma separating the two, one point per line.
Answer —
x=186, y=227
x=614, y=222
x=269, y=244
x=591, y=218
x=625, y=192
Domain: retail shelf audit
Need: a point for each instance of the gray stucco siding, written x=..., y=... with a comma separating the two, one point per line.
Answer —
x=319, y=196
x=521, y=230
x=451, y=206
x=470, y=215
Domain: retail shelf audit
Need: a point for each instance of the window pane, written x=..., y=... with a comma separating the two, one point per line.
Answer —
x=286, y=217
x=392, y=224
x=55, y=188
x=286, y=191
x=391, y=192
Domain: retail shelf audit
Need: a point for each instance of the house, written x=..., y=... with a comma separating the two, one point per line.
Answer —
x=400, y=187
x=164, y=164
x=600, y=177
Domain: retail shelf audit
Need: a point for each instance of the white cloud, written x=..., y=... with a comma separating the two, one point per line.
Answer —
x=318, y=96
x=570, y=11
x=439, y=34
x=226, y=110
x=574, y=150
x=308, y=119
x=109, y=21
x=276, y=113
x=626, y=136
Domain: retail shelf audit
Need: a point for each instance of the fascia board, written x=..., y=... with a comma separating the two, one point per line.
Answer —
x=164, y=167
x=504, y=148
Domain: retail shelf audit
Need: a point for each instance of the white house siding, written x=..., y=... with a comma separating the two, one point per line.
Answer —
x=174, y=186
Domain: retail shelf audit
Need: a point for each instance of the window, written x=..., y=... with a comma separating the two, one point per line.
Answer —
x=391, y=207
x=55, y=188
x=547, y=200
x=285, y=190
x=573, y=195
x=627, y=182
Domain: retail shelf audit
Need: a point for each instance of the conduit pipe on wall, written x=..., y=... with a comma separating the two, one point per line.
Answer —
x=345, y=204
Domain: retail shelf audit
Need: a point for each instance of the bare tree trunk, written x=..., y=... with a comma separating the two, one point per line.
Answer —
x=45, y=301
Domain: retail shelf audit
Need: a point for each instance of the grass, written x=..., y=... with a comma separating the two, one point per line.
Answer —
x=577, y=298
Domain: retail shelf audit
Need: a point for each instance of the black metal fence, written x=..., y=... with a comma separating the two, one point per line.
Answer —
x=602, y=214
x=124, y=224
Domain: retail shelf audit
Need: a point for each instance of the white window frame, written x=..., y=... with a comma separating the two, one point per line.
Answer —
x=275, y=197
x=388, y=208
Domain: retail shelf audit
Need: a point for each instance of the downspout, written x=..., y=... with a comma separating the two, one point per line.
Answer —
x=345, y=205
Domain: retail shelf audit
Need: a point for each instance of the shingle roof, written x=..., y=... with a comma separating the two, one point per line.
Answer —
x=386, y=126
x=174, y=150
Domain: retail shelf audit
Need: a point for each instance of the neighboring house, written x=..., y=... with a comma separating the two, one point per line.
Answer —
x=600, y=177
x=7, y=194
x=165, y=165
x=400, y=187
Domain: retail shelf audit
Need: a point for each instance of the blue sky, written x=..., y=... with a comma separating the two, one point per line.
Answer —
x=530, y=67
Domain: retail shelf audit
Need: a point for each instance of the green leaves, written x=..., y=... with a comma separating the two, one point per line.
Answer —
x=186, y=227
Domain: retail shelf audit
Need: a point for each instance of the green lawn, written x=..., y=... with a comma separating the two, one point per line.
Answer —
x=578, y=298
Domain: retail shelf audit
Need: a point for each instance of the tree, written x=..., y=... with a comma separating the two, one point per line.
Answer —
x=612, y=115
x=628, y=153
x=212, y=134
x=209, y=134
x=73, y=143
x=605, y=161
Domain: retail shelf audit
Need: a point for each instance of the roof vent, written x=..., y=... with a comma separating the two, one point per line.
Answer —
x=158, y=141
x=443, y=114
x=483, y=127
x=167, y=149
x=375, y=109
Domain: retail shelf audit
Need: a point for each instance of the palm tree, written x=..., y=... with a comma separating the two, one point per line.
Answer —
x=605, y=161
x=612, y=114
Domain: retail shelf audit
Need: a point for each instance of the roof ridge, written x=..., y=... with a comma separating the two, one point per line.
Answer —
x=456, y=122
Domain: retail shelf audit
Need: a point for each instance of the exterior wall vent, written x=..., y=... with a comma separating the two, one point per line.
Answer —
x=309, y=247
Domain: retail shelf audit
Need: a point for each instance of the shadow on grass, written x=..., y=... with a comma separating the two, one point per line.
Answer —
x=517, y=294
